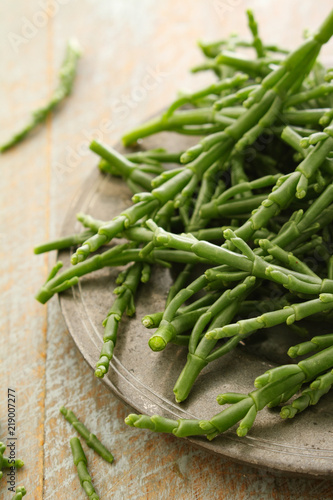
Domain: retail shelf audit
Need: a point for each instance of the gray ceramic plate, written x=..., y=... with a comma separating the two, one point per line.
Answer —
x=144, y=379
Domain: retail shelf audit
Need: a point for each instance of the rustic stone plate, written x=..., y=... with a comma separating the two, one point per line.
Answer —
x=144, y=379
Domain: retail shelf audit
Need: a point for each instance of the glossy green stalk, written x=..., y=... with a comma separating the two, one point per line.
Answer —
x=238, y=175
x=220, y=313
x=302, y=225
x=239, y=188
x=257, y=42
x=66, y=81
x=114, y=227
x=294, y=140
x=150, y=167
x=285, y=190
x=304, y=117
x=206, y=192
x=264, y=123
x=289, y=315
x=291, y=137
x=127, y=169
x=322, y=381
x=159, y=154
x=235, y=98
x=165, y=331
x=89, y=222
x=19, y=493
x=6, y=462
x=65, y=242
x=177, y=121
x=89, y=438
x=165, y=176
x=210, y=233
x=208, y=65
x=63, y=281
x=234, y=131
x=308, y=248
x=266, y=101
x=153, y=320
x=274, y=386
x=286, y=258
x=321, y=90
x=196, y=362
x=212, y=49
x=254, y=67
x=117, y=256
x=247, y=261
x=180, y=282
x=326, y=118
x=309, y=396
x=233, y=207
x=215, y=88
x=161, y=256
x=80, y=461
x=124, y=302
x=315, y=344
x=146, y=203
x=164, y=215
x=234, y=295
x=181, y=323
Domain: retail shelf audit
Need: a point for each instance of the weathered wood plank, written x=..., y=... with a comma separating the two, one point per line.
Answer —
x=25, y=83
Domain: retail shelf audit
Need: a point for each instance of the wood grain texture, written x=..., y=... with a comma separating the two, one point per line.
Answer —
x=136, y=56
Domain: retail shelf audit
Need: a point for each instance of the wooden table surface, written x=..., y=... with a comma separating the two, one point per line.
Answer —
x=136, y=56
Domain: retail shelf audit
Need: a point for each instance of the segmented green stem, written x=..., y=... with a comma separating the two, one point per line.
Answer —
x=215, y=88
x=58, y=283
x=309, y=397
x=80, y=461
x=126, y=168
x=124, y=302
x=220, y=313
x=288, y=314
x=257, y=42
x=66, y=80
x=146, y=203
x=6, y=462
x=19, y=493
x=274, y=386
x=195, y=120
x=249, y=261
x=91, y=440
x=65, y=242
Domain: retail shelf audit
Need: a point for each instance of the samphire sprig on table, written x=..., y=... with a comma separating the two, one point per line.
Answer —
x=251, y=202
x=66, y=81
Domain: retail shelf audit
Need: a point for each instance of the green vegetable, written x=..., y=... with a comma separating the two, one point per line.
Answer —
x=89, y=438
x=6, y=462
x=275, y=386
x=66, y=80
x=80, y=461
x=251, y=202
x=309, y=396
x=125, y=302
x=20, y=493
x=288, y=314
x=257, y=42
